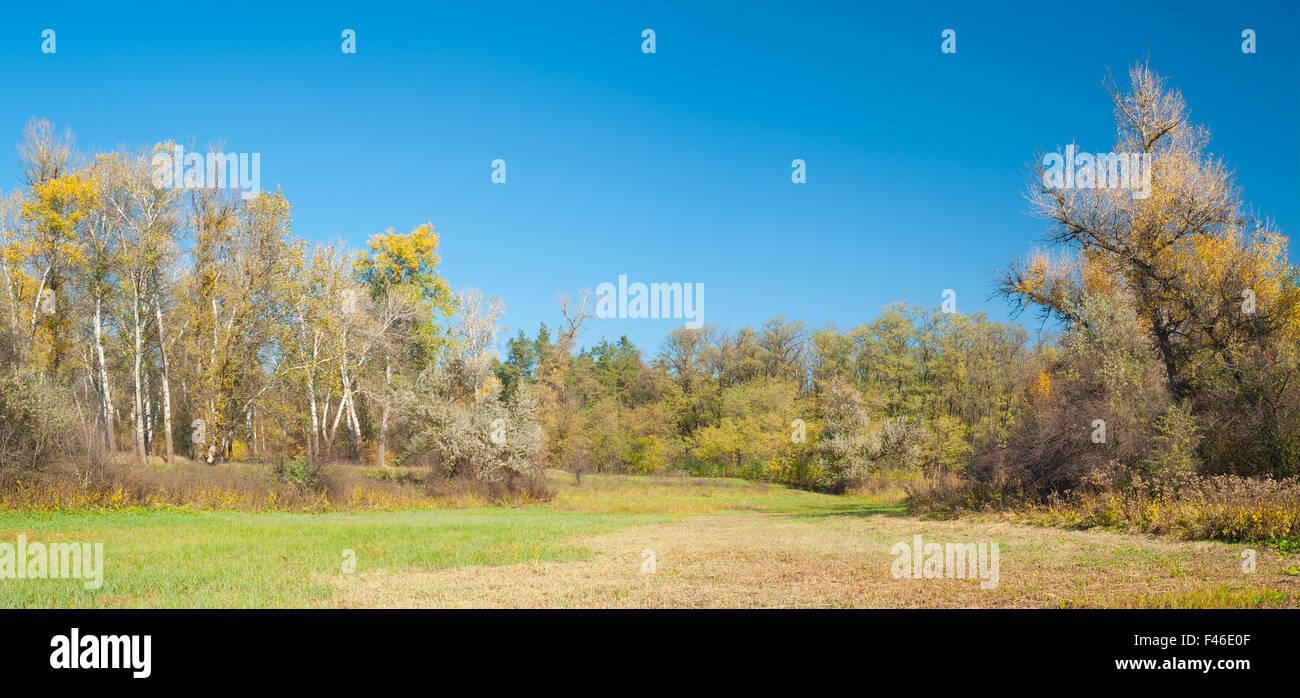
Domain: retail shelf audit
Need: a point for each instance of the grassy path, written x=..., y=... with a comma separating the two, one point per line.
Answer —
x=776, y=560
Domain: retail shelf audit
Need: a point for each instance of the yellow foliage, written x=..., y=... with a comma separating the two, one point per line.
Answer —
x=1042, y=386
x=405, y=258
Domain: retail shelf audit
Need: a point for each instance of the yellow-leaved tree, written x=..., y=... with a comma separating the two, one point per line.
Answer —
x=409, y=298
x=1210, y=284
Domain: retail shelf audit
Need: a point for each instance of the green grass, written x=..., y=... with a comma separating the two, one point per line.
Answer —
x=177, y=558
x=234, y=559
x=1218, y=597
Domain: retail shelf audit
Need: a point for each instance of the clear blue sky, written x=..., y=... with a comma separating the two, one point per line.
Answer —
x=673, y=166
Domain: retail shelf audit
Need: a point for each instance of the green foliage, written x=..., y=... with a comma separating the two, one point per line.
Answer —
x=645, y=456
x=915, y=389
x=297, y=471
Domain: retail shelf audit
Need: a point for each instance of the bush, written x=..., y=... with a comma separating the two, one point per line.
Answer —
x=193, y=484
x=842, y=449
x=1218, y=507
x=1178, y=504
x=1105, y=381
x=1175, y=448
x=1250, y=412
x=473, y=438
x=298, y=471
x=38, y=423
x=897, y=445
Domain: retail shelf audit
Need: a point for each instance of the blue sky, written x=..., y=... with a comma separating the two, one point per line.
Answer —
x=673, y=166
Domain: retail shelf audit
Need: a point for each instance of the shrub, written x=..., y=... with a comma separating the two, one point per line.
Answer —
x=38, y=423
x=1105, y=380
x=298, y=471
x=1174, y=449
x=192, y=484
x=1250, y=412
x=1218, y=507
x=471, y=436
x=841, y=448
x=897, y=445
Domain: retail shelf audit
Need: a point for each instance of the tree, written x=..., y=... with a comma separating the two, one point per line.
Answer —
x=400, y=272
x=841, y=445
x=1210, y=284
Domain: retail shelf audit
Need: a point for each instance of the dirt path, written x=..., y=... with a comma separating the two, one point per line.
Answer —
x=768, y=560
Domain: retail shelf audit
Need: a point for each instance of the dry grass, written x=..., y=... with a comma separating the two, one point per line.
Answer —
x=1188, y=507
x=234, y=486
x=772, y=560
x=1209, y=508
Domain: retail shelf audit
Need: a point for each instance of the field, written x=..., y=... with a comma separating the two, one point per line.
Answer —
x=715, y=543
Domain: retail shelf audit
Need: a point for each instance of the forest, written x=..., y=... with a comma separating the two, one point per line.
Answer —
x=146, y=323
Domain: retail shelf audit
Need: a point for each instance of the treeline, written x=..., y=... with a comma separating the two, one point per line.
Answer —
x=155, y=320
x=919, y=388
x=1175, y=354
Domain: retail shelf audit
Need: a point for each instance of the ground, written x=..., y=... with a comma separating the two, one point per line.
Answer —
x=715, y=543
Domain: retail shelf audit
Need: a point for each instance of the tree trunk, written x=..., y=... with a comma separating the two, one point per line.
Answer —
x=325, y=433
x=105, y=393
x=252, y=435
x=139, y=398
x=355, y=425
x=36, y=304
x=383, y=419
x=13, y=302
x=149, y=413
x=313, y=441
x=166, y=378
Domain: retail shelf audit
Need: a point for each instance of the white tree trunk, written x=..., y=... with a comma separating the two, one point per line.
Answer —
x=105, y=392
x=313, y=442
x=166, y=378
x=383, y=419
x=139, y=401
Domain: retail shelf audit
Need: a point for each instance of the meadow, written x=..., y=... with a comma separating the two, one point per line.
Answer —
x=715, y=543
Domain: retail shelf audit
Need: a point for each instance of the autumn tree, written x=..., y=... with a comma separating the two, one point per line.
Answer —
x=1211, y=284
x=401, y=276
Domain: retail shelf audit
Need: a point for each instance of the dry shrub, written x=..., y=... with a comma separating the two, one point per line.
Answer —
x=889, y=486
x=948, y=493
x=1178, y=504
x=37, y=416
x=1217, y=507
x=289, y=486
x=1250, y=412
x=231, y=487
x=1106, y=379
x=518, y=489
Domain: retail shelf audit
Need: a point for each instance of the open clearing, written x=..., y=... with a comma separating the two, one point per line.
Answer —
x=716, y=543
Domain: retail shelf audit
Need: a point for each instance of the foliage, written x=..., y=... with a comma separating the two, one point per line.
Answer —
x=454, y=422
x=297, y=471
x=36, y=425
x=1210, y=286
x=196, y=323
